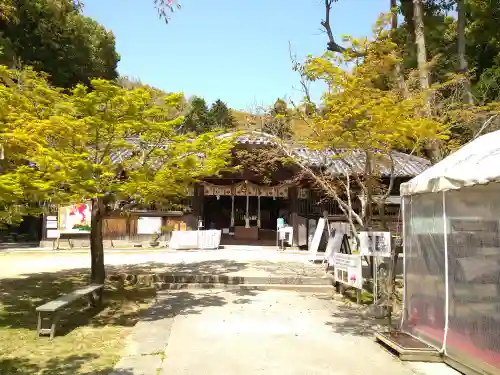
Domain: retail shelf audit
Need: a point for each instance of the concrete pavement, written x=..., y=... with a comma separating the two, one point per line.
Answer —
x=228, y=262
x=246, y=333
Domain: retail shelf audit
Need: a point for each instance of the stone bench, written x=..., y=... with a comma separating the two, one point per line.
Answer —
x=51, y=310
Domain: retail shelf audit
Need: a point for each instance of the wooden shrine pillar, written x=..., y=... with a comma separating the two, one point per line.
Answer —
x=294, y=216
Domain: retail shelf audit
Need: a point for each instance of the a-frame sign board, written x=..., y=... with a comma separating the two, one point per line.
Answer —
x=330, y=237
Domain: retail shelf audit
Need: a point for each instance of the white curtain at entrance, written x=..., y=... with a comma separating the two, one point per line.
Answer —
x=247, y=215
x=258, y=211
x=232, y=210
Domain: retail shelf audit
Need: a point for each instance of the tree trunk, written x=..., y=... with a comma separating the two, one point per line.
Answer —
x=462, y=60
x=398, y=73
x=97, y=273
x=432, y=149
x=418, y=20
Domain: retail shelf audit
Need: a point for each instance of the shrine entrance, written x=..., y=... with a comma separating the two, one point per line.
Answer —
x=245, y=213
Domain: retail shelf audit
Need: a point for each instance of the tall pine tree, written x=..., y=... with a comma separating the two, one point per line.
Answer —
x=221, y=115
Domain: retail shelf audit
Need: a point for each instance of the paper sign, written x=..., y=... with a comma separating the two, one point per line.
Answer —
x=348, y=269
x=375, y=244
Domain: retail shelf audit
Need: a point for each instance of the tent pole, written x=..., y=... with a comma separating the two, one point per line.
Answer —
x=446, y=278
x=403, y=208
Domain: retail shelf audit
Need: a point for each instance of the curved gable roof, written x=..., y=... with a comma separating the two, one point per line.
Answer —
x=335, y=161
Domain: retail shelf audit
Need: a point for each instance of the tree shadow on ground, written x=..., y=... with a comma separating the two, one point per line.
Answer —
x=171, y=304
x=290, y=269
x=222, y=267
x=207, y=267
x=20, y=296
x=55, y=366
x=124, y=305
x=354, y=320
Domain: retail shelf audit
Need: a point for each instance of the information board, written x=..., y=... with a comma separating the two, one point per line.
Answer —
x=376, y=244
x=149, y=225
x=348, y=269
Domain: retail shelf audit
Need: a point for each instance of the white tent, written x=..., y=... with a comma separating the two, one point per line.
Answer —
x=451, y=225
x=478, y=162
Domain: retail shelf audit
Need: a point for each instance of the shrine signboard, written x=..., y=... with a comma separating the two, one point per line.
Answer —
x=348, y=270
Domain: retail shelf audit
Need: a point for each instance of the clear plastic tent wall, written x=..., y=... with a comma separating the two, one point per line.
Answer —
x=452, y=272
x=451, y=215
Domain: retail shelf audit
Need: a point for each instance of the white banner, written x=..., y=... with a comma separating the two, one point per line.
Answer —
x=333, y=246
x=316, y=240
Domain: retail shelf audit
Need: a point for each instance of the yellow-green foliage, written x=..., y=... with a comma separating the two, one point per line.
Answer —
x=83, y=144
x=364, y=108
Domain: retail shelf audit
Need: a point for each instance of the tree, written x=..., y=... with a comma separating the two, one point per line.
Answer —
x=462, y=45
x=433, y=149
x=364, y=114
x=483, y=48
x=198, y=119
x=54, y=37
x=221, y=116
x=278, y=120
x=114, y=147
x=165, y=7
x=21, y=192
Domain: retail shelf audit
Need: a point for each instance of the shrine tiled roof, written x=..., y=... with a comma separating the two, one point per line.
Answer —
x=336, y=161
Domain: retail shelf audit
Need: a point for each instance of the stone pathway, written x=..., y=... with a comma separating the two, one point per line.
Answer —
x=248, y=332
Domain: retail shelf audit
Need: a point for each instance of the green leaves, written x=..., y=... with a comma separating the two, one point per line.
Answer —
x=53, y=36
x=102, y=140
x=364, y=108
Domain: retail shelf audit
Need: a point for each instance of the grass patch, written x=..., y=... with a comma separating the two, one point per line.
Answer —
x=350, y=295
x=87, y=341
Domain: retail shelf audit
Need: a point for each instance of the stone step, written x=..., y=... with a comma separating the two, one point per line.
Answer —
x=327, y=289
x=170, y=278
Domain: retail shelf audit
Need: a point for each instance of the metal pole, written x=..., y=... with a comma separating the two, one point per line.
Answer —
x=446, y=276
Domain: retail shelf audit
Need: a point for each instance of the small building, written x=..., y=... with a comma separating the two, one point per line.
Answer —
x=245, y=205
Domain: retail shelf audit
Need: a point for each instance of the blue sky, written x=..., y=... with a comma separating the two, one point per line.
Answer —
x=235, y=50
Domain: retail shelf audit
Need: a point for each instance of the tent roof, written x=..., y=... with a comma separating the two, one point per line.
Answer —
x=478, y=162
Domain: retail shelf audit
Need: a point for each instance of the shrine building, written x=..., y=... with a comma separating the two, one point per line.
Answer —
x=246, y=207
